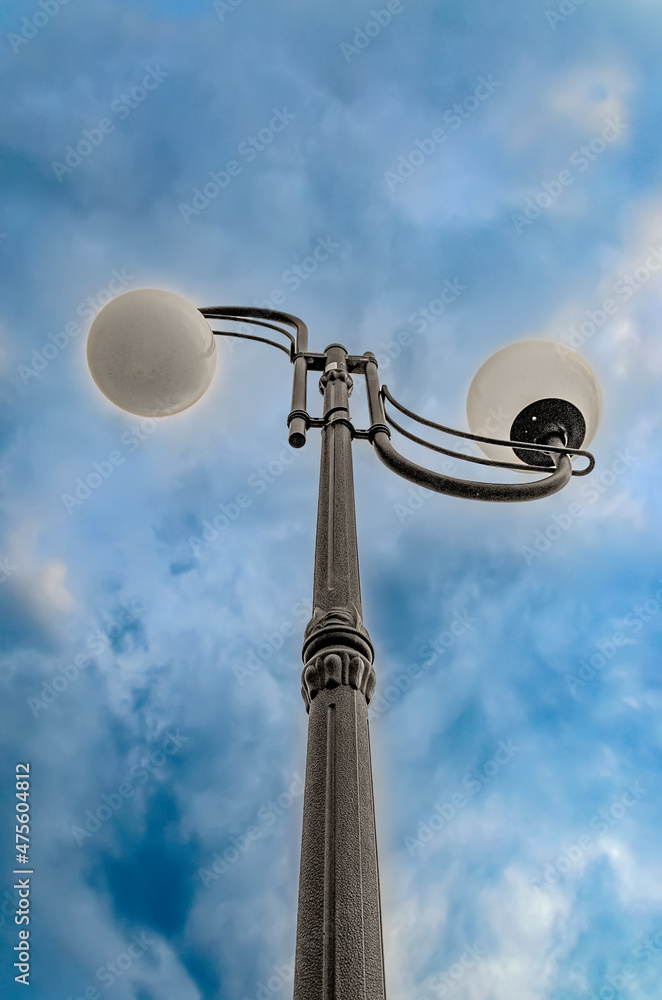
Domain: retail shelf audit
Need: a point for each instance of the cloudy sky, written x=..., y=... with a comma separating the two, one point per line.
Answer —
x=509, y=150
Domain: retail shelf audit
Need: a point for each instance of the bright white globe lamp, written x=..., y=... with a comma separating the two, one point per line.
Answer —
x=529, y=390
x=151, y=352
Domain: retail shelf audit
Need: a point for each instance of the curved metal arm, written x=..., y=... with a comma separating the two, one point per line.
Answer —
x=523, y=445
x=297, y=421
x=255, y=314
x=380, y=438
x=470, y=490
x=249, y=336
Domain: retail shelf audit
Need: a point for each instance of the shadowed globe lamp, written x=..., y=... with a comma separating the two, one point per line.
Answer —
x=530, y=390
x=151, y=352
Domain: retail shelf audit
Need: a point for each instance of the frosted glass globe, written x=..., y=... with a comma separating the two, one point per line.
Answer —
x=533, y=372
x=151, y=352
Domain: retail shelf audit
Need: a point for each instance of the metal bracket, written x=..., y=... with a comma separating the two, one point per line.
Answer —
x=554, y=447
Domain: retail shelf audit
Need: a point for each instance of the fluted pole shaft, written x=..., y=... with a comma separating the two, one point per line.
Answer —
x=339, y=953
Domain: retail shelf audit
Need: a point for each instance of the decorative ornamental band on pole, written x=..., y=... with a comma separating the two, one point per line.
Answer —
x=152, y=353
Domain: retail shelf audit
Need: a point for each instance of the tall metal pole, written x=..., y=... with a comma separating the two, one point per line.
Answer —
x=339, y=953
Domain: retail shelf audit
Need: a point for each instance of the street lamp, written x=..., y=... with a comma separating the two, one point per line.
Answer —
x=153, y=353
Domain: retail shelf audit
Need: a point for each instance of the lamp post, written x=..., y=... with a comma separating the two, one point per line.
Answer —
x=152, y=353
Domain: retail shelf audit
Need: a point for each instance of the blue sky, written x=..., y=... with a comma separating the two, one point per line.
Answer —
x=517, y=780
